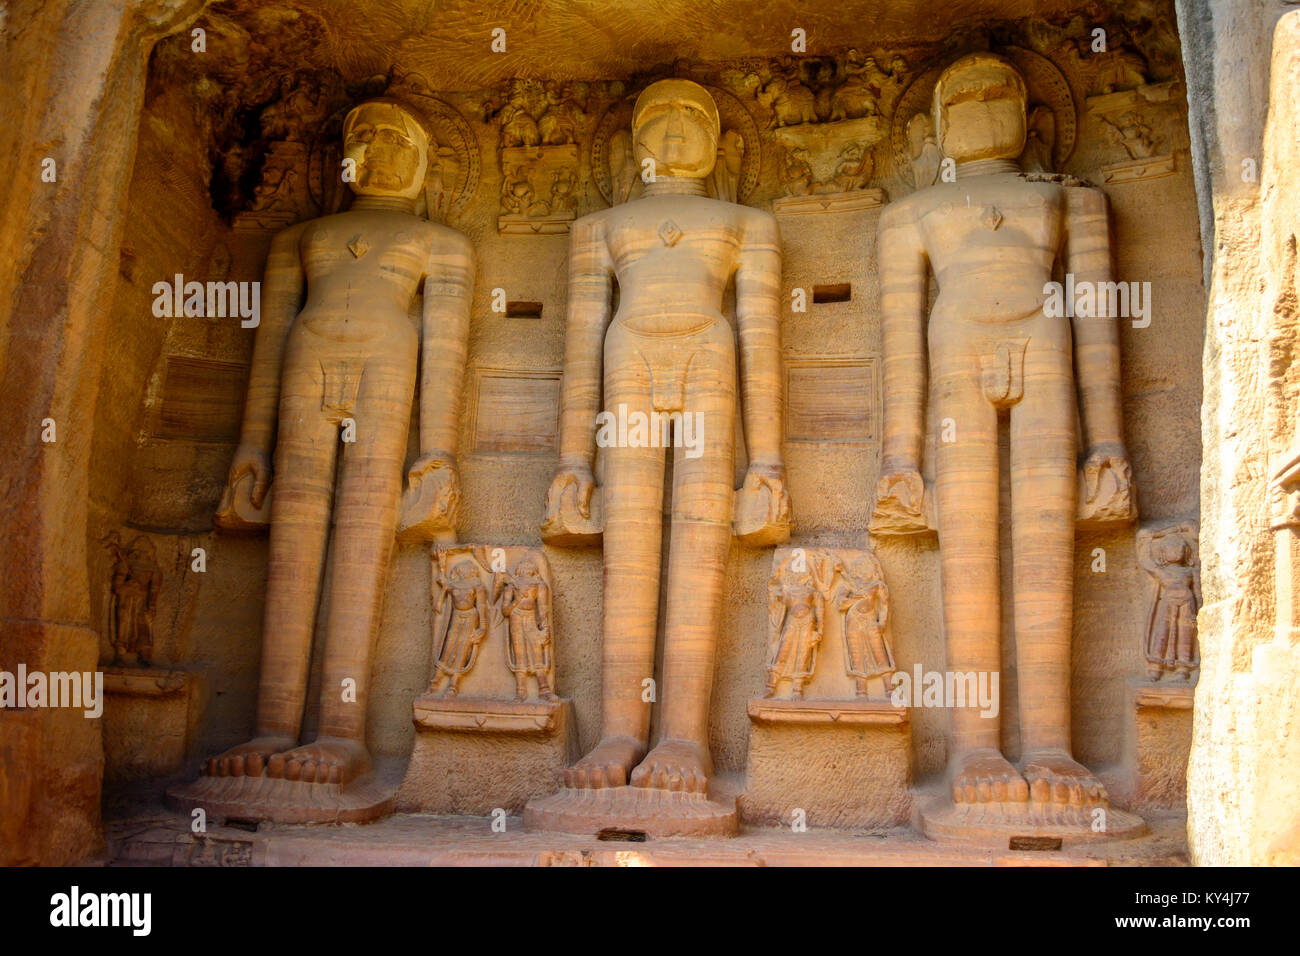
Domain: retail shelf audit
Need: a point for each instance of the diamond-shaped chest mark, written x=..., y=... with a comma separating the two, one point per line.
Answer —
x=358, y=246
x=669, y=233
x=991, y=217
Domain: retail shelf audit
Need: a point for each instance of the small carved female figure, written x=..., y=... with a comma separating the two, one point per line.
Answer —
x=1169, y=556
x=526, y=604
x=797, y=609
x=463, y=625
x=864, y=608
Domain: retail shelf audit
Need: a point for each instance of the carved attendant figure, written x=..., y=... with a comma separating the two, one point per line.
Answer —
x=333, y=380
x=864, y=607
x=526, y=604
x=137, y=580
x=992, y=239
x=462, y=614
x=669, y=350
x=1169, y=556
x=797, y=610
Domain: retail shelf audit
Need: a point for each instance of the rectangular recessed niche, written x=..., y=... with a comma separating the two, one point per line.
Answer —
x=831, y=399
x=523, y=310
x=201, y=400
x=515, y=410
x=832, y=292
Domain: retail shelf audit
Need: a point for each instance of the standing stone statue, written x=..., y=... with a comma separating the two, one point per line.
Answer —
x=462, y=617
x=797, y=609
x=526, y=604
x=330, y=395
x=669, y=354
x=992, y=239
x=1169, y=556
x=137, y=580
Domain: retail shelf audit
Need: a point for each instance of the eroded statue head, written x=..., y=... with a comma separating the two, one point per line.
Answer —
x=675, y=123
x=979, y=109
x=390, y=146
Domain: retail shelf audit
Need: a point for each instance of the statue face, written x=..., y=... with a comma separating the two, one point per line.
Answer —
x=980, y=111
x=675, y=124
x=389, y=149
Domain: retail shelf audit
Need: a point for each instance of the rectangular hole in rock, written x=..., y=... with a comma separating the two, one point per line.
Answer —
x=1035, y=843
x=242, y=824
x=622, y=836
x=523, y=310
x=832, y=292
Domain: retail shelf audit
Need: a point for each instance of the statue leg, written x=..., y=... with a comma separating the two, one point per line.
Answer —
x=967, y=498
x=365, y=520
x=1043, y=491
x=633, y=490
x=700, y=540
x=300, y=516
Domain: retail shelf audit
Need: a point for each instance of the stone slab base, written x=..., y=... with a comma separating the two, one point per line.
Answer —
x=633, y=813
x=284, y=801
x=147, y=834
x=843, y=764
x=1022, y=825
x=476, y=756
x=1159, y=743
x=147, y=715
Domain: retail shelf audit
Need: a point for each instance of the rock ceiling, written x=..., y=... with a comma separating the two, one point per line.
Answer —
x=450, y=42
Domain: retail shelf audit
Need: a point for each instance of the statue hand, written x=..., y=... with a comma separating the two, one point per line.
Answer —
x=900, y=503
x=568, y=519
x=1106, y=487
x=245, y=504
x=431, y=502
x=762, y=514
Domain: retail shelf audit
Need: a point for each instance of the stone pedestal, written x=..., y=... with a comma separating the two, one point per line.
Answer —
x=1158, y=732
x=474, y=756
x=842, y=763
x=147, y=712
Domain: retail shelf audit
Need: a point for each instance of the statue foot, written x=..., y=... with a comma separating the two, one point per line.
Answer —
x=675, y=765
x=328, y=760
x=607, y=765
x=1056, y=777
x=247, y=760
x=985, y=776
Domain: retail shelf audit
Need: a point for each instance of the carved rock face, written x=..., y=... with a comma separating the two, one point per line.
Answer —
x=979, y=109
x=676, y=125
x=389, y=149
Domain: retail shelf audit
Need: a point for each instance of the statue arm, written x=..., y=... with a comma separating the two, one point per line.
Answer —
x=590, y=290
x=904, y=288
x=1096, y=339
x=282, y=292
x=431, y=503
x=758, y=312
x=448, y=292
x=568, y=517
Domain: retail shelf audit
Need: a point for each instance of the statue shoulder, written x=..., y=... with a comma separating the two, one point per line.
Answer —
x=760, y=225
x=444, y=240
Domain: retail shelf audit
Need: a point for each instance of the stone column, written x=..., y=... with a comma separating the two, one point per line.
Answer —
x=72, y=91
x=1243, y=776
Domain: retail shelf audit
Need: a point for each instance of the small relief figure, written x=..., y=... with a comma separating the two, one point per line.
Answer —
x=852, y=171
x=526, y=604
x=726, y=173
x=562, y=186
x=1040, y=140
x=1131, y=132
x=558, y=126
x=790, y=101
x=864, y=609
x=858, y=95
x=927, y=158
x=137, y=580
x=462, y=611
x=1169, y=555
x=518, y=127
x=797, y=174
x=798, y=609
